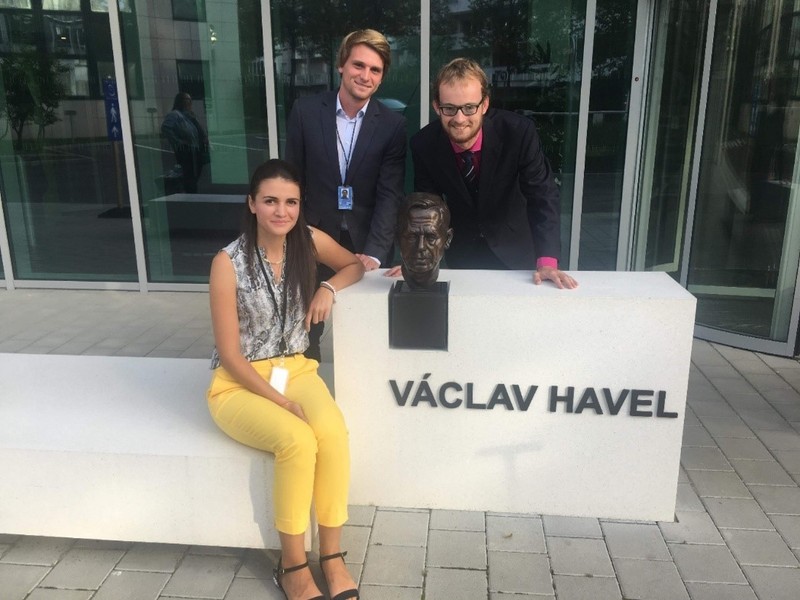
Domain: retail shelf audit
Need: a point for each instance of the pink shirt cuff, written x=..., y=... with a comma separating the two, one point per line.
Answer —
x=546, y=261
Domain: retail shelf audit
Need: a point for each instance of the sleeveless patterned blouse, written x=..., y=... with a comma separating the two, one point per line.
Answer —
x=259, y=321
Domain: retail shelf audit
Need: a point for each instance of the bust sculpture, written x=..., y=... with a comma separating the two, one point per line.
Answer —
x=423, y=234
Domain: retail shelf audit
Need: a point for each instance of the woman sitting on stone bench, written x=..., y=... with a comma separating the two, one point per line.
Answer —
x=264, y=393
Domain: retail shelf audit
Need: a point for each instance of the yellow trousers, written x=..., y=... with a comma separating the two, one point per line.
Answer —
x=312, y=460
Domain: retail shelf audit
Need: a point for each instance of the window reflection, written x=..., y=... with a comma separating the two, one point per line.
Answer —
x=63, y=178
x=64, y=34
x=16, y=32
x=199, y=126
x=744, y=251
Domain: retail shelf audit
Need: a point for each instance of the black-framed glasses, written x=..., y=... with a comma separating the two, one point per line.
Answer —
x=448, y=110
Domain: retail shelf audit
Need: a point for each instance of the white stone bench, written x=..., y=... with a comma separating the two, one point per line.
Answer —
x=123, y=448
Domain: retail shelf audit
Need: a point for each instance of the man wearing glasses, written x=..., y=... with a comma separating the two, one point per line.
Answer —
x=497, y=182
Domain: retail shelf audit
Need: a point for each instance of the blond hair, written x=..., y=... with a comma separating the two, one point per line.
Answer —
x=460, y=69
x=370, y=38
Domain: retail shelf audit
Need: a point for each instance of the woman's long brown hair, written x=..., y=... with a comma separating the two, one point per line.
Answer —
x=301, y=256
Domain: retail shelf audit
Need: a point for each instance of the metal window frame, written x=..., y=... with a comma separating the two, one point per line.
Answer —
x=583, y=129
x=637, y=122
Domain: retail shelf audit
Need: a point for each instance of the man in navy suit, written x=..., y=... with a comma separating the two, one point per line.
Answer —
x=350, y=150
x=497, y=182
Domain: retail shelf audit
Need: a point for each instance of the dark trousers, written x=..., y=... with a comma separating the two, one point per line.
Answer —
x=315, y=334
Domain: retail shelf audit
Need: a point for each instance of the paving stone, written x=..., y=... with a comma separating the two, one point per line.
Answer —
x=515, y=534
x=216, y=551
x=360, y=515
x=162, y=558
x=780, y=440
x=764, y=548
x=777, y=499
x=17, y=580
x=54, y=594
x=725, y=371
x=726, y=427
x=691, y=528
x=747, y=401
x=375, y=592
x=584, y=527
x=765, y=421
x=250, y=589
x=82, y=569
x=577, y=556
x=446, y=584
x=720, y=591
x=710, y=564
x=690, y=419
x=131, y=585
x=586, y=588
x=394, y=565
x=737, y=513
x=789, y=410
x=393, y=528
x=774, y=583
x=258, y=564
x=698, y=437
x=37, y=550
x=743, y=448
x=790, y=459
x=202, y=576
x=459, y=520
x=704, y=458
x=103, y=545
x=719, y=484
x=653, y=580
x=519, y=573
x=710, y=405
x=635, y=540
x=789, y=527
x=9, y=538
x=687, y=499
x=457, y=549
x=766, y=472
x=354, y=541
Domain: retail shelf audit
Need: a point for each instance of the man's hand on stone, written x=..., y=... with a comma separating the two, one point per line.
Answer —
x=561, y=279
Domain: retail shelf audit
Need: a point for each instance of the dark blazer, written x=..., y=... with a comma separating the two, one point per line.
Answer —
x=377, y=171
x=518, y=202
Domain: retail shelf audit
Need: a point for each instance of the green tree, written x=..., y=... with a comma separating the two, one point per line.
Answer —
x=34, y=89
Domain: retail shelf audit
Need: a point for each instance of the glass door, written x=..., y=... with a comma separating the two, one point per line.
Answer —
x=675, y=75
x=719, y=176
x=744, y=250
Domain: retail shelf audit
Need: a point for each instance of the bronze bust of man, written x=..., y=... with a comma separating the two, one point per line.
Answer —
x=423, y=234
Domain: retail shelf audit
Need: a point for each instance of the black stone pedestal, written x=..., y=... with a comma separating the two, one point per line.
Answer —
x=418, y=318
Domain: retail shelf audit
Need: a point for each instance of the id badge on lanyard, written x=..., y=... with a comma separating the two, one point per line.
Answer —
x=345, y=193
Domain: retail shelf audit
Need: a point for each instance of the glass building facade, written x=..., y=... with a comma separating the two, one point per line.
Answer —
x=671, y=125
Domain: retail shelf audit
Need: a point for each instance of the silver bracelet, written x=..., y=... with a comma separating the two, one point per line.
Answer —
x=328, y=287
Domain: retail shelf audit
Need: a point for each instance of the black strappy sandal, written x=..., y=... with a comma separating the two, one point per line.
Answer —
x=279, y=572
x=347, y=593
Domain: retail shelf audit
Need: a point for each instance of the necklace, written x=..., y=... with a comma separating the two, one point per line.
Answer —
x=266, y=259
